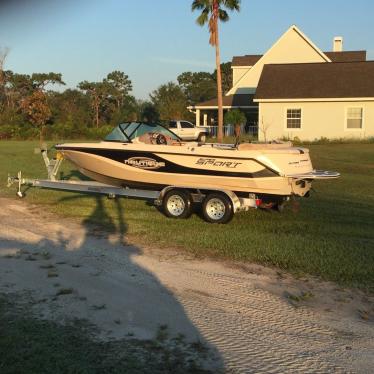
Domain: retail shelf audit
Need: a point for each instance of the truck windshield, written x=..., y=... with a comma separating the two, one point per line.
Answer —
x=125, y=132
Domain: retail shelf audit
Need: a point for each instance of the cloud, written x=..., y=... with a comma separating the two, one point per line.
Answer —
x=176, y=61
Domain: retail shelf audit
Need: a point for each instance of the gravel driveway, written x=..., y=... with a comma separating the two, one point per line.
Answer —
x=256, y=319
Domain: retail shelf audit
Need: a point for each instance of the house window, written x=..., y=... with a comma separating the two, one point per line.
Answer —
x=294, y=118
x=354, y=118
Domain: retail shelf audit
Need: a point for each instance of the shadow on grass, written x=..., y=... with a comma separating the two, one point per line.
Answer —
x=160, y=336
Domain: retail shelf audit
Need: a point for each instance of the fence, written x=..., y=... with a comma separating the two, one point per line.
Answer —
x=228, y=130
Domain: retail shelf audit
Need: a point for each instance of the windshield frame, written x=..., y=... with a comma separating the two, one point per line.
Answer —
x=123, y=126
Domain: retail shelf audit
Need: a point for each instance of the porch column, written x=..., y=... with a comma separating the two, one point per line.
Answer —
x=197, y=117
x=205, y=119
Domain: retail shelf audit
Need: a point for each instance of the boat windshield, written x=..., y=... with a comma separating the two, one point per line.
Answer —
x=125, y=132
x=116, y=135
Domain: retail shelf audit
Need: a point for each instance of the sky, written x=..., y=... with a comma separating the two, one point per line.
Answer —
x=153, y=41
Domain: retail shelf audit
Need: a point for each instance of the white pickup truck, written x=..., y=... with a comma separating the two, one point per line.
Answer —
x=188, y=131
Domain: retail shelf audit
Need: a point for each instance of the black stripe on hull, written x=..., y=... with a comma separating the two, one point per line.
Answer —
x=172, y=168
x=159, y=187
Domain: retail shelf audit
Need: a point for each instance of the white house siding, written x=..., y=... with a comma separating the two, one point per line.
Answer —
x=318, y=119
x=292, y=47
x=238, y=72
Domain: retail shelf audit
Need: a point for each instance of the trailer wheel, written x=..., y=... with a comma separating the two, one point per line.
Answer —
x=201, y=138
x=217, y=208
x=177, y=204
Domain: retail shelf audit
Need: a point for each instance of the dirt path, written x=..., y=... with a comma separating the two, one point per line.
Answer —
x=254, y=317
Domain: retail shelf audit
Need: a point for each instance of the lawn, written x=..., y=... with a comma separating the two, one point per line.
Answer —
x=331, y=235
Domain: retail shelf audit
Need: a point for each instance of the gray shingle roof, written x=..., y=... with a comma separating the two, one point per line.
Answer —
x=345, y=56
x=317, y=80
x=239, y=100
x=247, y=60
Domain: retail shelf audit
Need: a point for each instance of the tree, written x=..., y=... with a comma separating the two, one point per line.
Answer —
x=41, y=80
x=70, y=107
x=212, y=11
x=37, y=110
x=197, y=87
x=3, y=56
x=120, y=85
x=21, y=83
x=169, y=101
x=109, y=97
x=97, y=91
x=226, y=73
x=26, y=94
x=127, y=112
x=147, y=112
x=237, y=118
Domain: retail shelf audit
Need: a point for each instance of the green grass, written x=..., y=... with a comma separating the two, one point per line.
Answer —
x=330, y=236
x=33, y=346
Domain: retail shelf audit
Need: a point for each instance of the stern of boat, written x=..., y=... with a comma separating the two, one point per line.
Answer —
x=295, y=165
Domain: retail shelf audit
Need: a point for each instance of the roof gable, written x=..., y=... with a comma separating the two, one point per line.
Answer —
x=316, y=81
x=292, y=47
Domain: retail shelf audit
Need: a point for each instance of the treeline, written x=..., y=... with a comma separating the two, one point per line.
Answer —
x=33, y=106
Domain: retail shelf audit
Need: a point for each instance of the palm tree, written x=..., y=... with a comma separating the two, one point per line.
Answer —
x=213, y=11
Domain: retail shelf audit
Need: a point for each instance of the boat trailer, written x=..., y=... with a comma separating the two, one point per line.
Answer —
x=174, y=194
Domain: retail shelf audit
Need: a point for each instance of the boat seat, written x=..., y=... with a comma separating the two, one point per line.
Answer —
x=145, y=138
x=149, y=138
x=255, y=146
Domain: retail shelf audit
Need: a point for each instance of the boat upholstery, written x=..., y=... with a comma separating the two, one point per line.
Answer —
x=150, y=138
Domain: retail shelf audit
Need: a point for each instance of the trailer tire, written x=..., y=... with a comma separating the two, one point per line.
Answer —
x=177, y=204
x=201, y=138
x=217, y=208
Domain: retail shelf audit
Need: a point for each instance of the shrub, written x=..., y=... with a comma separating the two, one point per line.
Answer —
x=58, y=131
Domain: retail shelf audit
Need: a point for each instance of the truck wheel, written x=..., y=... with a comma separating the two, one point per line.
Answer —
x=201, y=138
x=177, y=204
x=217, y=208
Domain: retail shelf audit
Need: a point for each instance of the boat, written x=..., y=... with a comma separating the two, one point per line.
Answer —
x=151, y=157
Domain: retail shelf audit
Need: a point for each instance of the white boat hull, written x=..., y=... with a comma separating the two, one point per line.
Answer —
x=282, y=171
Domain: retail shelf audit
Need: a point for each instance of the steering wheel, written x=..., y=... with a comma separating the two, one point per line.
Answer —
x=160, y=139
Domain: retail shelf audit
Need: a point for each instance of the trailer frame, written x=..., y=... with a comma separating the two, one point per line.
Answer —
x=92, y=187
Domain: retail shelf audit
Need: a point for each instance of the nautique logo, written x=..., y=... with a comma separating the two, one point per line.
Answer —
x=144, y=163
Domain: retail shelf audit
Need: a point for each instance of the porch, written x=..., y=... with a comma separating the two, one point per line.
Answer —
x=206, y=114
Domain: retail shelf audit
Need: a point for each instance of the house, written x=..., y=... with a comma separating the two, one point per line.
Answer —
x=296, y=90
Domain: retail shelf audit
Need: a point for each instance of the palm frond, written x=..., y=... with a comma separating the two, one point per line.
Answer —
x=203, y=17
x=199, y=4
x=232, y=4
x=223, y=15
